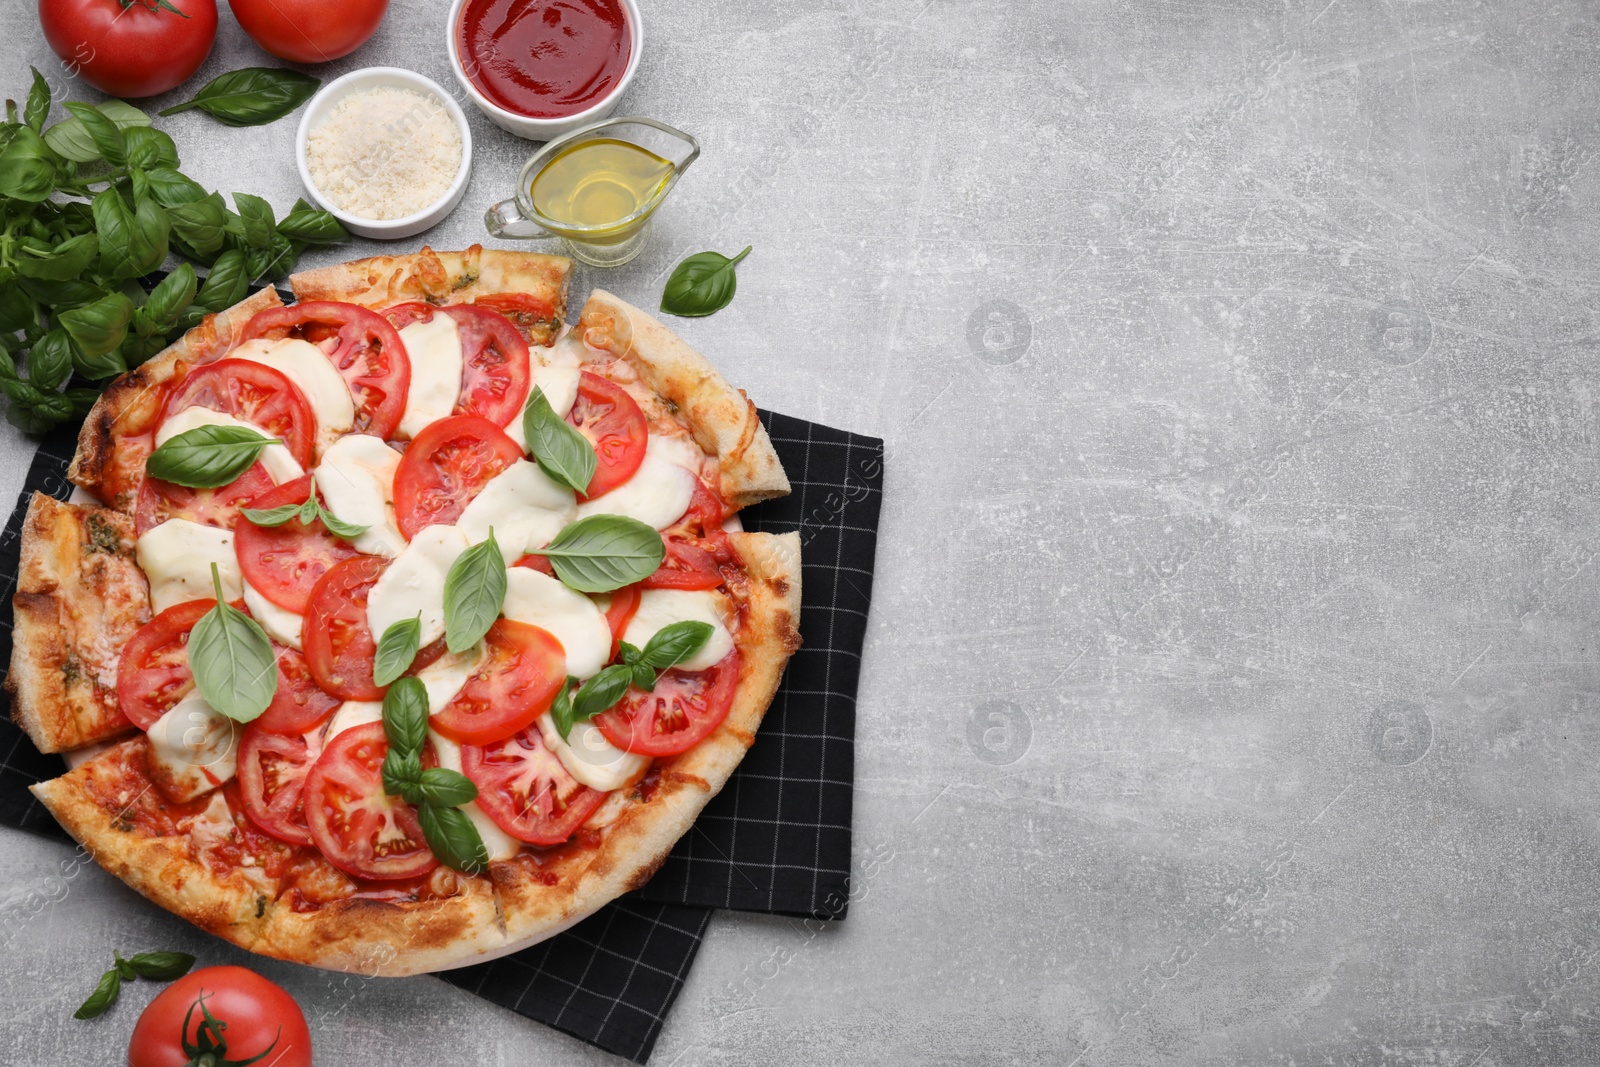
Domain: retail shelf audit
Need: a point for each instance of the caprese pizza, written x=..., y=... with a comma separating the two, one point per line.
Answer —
x=403, y=626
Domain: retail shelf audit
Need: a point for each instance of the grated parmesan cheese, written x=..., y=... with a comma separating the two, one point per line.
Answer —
x=384, y=153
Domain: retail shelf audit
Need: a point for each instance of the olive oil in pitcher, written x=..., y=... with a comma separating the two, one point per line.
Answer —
x=598, y=184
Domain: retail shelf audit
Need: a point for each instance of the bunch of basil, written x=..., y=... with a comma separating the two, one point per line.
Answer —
x=88, y=207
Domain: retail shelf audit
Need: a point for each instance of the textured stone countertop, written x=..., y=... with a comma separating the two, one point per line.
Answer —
x=1230, y=694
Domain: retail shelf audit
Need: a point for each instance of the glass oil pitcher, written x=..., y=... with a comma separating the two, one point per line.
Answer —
x=596, y=188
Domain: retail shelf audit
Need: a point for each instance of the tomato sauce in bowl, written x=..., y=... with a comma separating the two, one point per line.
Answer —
x=544, y=58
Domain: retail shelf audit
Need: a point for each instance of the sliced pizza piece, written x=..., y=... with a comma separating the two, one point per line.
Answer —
x=80, y=596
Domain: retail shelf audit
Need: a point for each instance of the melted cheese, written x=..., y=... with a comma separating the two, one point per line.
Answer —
x=414, y=583
x=681, y=450
x=662, y=607
x=281, y=624
x=658, y=493
x=277, y=459
x=352, y=713
x=193, y=749
x=177, y=557
x=560, y=385
x=590, y=758
x=525, y=506
x=500, y=845
x=356, y=477
x=443, y=678
x=309, y=368
x=435, y=350
x=569, y=616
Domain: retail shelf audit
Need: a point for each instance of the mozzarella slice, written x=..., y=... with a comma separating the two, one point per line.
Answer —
x=193, y=749
x=657, y=495
x=309, y=368
x=414, y=583
x=568, y=351
x=277, y=459
x=356, y=477
x=590, y=758
x=281, y=624
x=500, y=845
x=525, y=506
x=569, y=616
x=663, y=607
x=352, y=713
x=177, y=557
x=443, y=678
x=560, y=385
x=681, y=450
x=435, y=350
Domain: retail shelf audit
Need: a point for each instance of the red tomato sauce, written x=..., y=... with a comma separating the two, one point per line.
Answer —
x=544, y=58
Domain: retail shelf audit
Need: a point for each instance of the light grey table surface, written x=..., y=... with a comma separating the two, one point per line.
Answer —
x=1230, y=693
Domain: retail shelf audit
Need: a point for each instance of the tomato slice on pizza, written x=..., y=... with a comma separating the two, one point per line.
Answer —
x=611, y=420
x=445, y=466
x=253, y=393
x=159, y=501
x=299, y=702
x=680, y=713
x=285, y=562
x=272, y=777
x=360, y=829
x=526, y=790
x=339, y=646
x=521, y=670
x=153, y=669
x=494, y=358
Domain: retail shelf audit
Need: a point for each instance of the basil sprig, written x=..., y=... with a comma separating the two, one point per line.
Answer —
x=306, y=513
x=396, y=649
x=474, y=592
x=251, y=96
x=701, y=285
x=157, y=966
x=667, y=647
x=436, y=792
x=207, y=457
x=232, y=661
x=560, y=450
x=605, y=552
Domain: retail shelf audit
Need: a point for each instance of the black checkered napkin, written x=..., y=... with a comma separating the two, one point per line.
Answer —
x=777, y=839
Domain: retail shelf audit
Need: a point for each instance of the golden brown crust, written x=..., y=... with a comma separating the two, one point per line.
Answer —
x=447, y=278
x=80, y=596
x=722, y=417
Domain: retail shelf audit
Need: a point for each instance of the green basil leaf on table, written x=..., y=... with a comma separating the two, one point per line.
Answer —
x=27, y=172
x=702, y=284
x=61, y=295
x=227, y=283
x=104, y=995
x=447, y=788
x=37, y=109
x=99, y=327
x=560, y=450
x=65, y=262
x=453, y=839
x=396, y=649
x=405, y=715
x=172, y=188
x=17, y=310
x=162, y=966
x=207, y=457
x=605, y=552
x=253, y=224
x=231, y=658
x=673, y=644
x=148, y=147
x=105, y=134
x=200, y=224
x=151, y=229
x=251, y=96
x=474, y=592
x=312, y=226
x=125, y=969
x=50, y=360
x=168, y=299
x=72, y=140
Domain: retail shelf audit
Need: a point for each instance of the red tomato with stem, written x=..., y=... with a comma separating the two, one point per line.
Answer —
x=494, y=358
x=517, y=679
x=682, y=711
x=613, y=423
x=361, y=830
x=525, y=789
x=153, y=670
x=360, y=344
x=131, y=49
x=309, y=31
x=447, y=465
x=285, y=562
x=258, y=1016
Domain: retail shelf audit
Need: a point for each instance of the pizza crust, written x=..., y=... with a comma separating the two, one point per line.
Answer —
x=722, y=417
x=80, y=597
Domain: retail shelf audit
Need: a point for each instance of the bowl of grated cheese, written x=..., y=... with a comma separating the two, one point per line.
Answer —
x=386, y=150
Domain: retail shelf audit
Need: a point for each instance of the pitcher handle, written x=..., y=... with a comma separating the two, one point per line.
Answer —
x=506, y=219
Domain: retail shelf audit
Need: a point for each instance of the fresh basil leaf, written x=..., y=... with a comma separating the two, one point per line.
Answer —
x=99, y=327
x=37, y=109
x=104, y=995
x=447, y=788
x=66, y=261
x=61, y=295
x=561, y=709
x=396, y=649
x=50, y=360
x=560, y=450
x=474, y=592
x=405, y=715
x=337, y=526
x=148, y=147
x=17, y=309
x=312, y=508
x=453, y=839
x=251, y=96
x=271, y=518
x=72, y=140
x=601, y=692
x=124, y=967
x=106, y=135
x=402, y=775
x=167, y=300
x=232, y=659
x=311, y=226
x=702, y=284
x=630, y=653
x=98, y=368
x=170, y=188
x=644, y=676
x=200, y=224
x=207, y=457
x=26, y=170
x=162, y=966
x=253, y=224
x=605, y=552
x=673, y=644
x=151, y=230
x=227, y=283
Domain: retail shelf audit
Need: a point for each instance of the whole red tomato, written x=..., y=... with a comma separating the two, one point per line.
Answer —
x=257, y=1014
x=143, y=49
x=309, y=31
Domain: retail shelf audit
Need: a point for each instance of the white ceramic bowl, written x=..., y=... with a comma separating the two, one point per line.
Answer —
x=545, y=129
x=370, y=78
